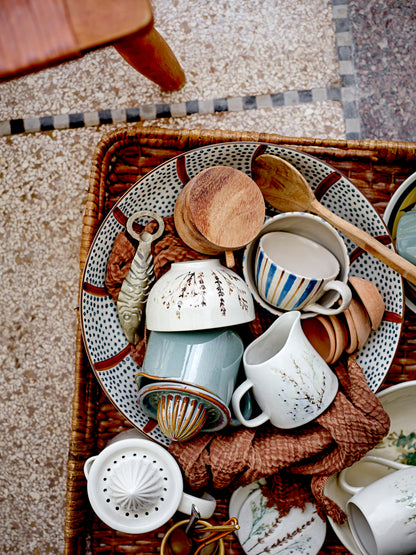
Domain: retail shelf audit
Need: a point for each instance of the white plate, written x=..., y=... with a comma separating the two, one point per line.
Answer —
x=403, y=200
x=398, y=445
x=104, y=340
x=240, y=495
x=264, y=530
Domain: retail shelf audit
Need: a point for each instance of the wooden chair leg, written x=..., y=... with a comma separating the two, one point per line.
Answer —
x=151, y=56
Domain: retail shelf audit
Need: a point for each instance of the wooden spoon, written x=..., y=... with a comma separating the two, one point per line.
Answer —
x=285, y=188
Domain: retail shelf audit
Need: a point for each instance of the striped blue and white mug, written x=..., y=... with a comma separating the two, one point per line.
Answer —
x=292, y=272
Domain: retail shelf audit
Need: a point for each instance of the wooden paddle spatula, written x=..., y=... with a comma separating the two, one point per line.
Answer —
x=285, y=188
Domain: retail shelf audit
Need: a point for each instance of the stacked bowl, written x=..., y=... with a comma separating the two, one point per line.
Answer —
x=193, y=353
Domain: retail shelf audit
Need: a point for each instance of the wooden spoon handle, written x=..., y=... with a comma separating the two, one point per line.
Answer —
x=367, y=242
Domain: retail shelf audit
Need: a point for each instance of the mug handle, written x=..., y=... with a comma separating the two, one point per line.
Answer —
x=205, y=504
x=344, y=292
x=367, y=458
x=238, y=394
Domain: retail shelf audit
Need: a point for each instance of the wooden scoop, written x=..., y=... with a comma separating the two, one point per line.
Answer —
x=285, y=188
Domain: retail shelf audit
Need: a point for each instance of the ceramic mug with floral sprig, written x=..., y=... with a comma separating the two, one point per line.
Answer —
x=382, y=515
x=291, y=382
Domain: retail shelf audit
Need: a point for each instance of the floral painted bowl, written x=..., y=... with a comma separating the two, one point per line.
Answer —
x=264, y=530
x=198, y=295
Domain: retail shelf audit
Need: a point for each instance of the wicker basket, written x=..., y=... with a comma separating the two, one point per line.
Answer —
x=120, y=159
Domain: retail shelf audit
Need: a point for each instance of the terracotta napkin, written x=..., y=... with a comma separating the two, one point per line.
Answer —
x=353, y=424
x=297, y=463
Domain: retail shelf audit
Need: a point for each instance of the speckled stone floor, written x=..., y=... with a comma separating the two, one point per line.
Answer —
x=320, y=68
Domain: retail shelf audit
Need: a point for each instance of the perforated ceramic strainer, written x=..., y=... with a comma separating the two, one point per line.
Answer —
x=134, y=485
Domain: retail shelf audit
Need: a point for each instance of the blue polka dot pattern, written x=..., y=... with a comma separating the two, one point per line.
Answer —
x=157, y=191
x=120, y=385
x=224, y=155
x=154, y=192
x=104, y=336
x=95, y=269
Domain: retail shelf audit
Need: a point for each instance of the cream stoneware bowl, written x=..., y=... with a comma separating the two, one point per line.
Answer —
x=307, y=225
x=198, y=295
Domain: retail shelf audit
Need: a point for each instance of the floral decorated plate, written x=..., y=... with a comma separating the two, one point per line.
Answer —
x=240, y=495
x=399, y=445
x=263, y=529
x=108, y=350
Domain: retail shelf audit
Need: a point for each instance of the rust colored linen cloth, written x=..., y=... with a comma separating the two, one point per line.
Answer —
x=296, y=463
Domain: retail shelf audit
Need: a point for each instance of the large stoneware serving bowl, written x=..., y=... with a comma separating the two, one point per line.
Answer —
x=108, y=350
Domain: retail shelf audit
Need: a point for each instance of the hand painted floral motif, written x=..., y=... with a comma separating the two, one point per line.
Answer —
x=308, y=387
x=404, y=444
x=409, y=500
x=192, y=287
x=264, y=536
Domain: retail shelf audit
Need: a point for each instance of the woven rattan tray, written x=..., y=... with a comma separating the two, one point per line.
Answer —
x=120, y=159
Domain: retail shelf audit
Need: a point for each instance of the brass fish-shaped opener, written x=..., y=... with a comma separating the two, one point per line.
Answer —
x=136, y=285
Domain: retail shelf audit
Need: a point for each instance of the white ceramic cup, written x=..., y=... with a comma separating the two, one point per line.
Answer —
x=291, y=382
x=382, y=515
x=311, y=227
x=135, y=485
x=293, y=272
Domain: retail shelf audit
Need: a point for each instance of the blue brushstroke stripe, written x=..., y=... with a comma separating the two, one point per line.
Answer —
x=269, y=278
x=306, y=292
x=286, y=289
x=259, y=265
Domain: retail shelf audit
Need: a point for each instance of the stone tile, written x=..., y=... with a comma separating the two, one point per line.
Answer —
x=384, y=34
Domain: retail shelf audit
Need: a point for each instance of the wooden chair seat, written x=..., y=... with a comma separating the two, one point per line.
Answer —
x=40, y=33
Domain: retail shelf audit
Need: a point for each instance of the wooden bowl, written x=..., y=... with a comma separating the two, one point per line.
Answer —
x=341, y=336
x=371, y=299
x=361, y=322
x=352, y=332
x=221, y=209
x=320, y=333
x=328, y=335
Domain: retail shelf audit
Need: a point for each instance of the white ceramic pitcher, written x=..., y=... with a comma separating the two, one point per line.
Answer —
x=291, y=382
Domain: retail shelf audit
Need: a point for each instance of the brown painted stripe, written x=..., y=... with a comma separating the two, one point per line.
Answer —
x=94, y=290
x=300, y=285
x=113, y=361
x=181, y=169
x=326, y=184
x=120, y=216
x=149, y=426
x=261, y=149
x=272, y=300
x=392, y=317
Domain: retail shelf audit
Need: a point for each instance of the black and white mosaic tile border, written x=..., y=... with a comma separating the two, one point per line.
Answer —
x=346, y=94
x=174, y=110
x=345, y=49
